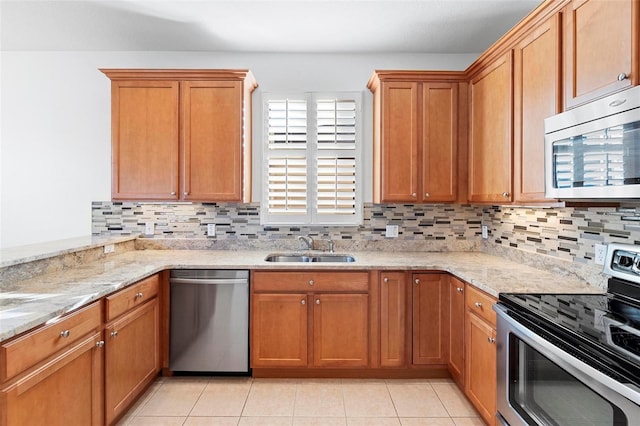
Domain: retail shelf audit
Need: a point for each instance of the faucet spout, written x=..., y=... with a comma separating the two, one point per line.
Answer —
x=308, y=240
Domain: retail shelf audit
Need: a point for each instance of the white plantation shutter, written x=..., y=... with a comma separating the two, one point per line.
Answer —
x=312, y=159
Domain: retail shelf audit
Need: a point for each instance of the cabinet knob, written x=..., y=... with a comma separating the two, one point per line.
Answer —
x=622, y=76
x=303, y=302
x=173, y=192
x=185, y=193
x=385, y=279
x=114, y=334
x=100, y=344
x=478, y=305
x=65, y=333
x=317, y=301
x=491, y=340
x=427, y=195
x=138, y=295
x=459, y=289
x=311, y=282
x=505, y=194
x=413, y=194
x=417, y=281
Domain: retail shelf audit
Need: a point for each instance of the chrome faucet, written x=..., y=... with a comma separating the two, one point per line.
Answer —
x=308, y=240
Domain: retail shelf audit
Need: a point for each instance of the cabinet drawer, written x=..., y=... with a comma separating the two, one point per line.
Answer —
x=311, y=281
x=130, y=297
x=24, y=352
x=480, y=303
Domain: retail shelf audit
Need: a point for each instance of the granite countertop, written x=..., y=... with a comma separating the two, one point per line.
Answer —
x=30, y=303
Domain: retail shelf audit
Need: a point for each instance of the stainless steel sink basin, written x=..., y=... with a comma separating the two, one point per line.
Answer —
x=325, y=257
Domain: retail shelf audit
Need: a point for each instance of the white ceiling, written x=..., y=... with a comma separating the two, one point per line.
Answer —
x=339, y=26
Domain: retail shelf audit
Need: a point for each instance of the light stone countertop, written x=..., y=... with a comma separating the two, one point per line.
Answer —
x=30, y=303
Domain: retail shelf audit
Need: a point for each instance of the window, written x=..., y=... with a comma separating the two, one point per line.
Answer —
x=312, y=154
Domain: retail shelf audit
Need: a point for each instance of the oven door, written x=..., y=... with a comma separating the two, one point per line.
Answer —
x=540, y=384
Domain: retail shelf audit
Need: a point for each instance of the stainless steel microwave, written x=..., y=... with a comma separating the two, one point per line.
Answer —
x=593, y=152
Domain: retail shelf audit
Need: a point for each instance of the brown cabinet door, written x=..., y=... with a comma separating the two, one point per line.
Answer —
x=279, y=330
x=132, y=357
x=211, y=121
x=393, y=300
x=600, y=44
x=537, y=96
x=456, y=330
x=481, y=366
x=439, y=142
x=144, y=134
x=430, y=315
x=490, y=155
x=399, y=151
x=340, y=330
x=66, y=390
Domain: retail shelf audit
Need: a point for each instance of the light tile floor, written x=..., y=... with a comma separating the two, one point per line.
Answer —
x=194, y=401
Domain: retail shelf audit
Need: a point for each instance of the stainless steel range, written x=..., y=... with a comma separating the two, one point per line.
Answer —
x=567, y=359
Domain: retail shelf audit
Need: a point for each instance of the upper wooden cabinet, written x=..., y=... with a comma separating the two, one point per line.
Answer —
x=537, y=95
x=181, y=134
x=490, y=143
x=601, y=55
x=415, y=149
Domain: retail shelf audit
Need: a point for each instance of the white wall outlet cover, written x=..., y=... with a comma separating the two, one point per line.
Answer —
x=211, y=229
x=391, y=231
x=109, y=248
x=149, y=228
x=485, y=231
x=600, y=253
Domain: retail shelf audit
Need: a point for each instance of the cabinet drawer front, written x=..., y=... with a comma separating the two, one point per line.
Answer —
x=311, y=281
x=481, y=304
x=24, y=352
x=129, y=298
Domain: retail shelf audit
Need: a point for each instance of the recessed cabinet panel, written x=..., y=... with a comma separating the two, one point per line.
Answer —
x=393, y=312
x=430, y=316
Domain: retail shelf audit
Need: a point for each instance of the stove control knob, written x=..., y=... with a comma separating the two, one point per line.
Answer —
x=625, y=261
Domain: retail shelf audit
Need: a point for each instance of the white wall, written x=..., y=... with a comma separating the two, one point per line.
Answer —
x=55, y=123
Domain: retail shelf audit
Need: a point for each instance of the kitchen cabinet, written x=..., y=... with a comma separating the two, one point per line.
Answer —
x=393, y=318
x=490, y=144
x=480, y=348
x=181, y=134
x=310, y=319
x=54, y=374
x=600, y=48
x=132, y=345
x=430, y=317
x=537, y=95
x=456, y=330
x=415, y=136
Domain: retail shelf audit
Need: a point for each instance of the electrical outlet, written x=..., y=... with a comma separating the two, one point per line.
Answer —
x=485, y=231
x=391, y=231
x=211, y=230
x=601, y=253
x=149, y=228
x=109, y=248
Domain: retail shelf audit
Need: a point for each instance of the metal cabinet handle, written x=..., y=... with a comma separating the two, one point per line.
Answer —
x=505, y=194
x=114, y=333
x=186, y=193
x=417, y=281
x=622, y=76
x=173, y=192
x=100, y=344
x=138, y=295
x=303, y=302
x=311, y=282
x=65, y=333
x=491, y=340
x=385, y=279
x=426, y=194
x=317, y=301
x=478, y=305
x=413, y=194
x=459, y=289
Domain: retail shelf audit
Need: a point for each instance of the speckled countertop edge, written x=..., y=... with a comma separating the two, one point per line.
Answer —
x=30, y=303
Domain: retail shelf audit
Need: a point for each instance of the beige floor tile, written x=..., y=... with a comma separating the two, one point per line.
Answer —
x=319, y=421
x=223, y=397
x=373, y=421
x=454, y=400
x=319, y=399
x=367, y=399
x=468, y=421
x=270, y=398
x=135, y=409
x=212, y=421
x=426, y=421
x=266, y=421
x=157, y=421
x=416, y=400
x=174, y=398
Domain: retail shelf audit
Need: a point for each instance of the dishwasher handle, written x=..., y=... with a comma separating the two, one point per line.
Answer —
x=210, y=281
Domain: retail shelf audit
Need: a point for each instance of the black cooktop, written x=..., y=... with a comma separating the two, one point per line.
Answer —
x=601, y=330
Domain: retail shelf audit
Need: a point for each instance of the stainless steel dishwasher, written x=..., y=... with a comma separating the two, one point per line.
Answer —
x=209, y=321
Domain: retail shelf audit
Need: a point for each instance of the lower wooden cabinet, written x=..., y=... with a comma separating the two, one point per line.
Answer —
x=393, y=318
x=65, y=390
x=430, y=317
x=456, y=330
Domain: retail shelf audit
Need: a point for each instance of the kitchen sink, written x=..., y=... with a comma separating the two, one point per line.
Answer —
x=319, y=258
